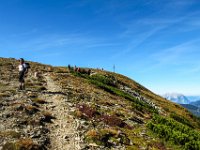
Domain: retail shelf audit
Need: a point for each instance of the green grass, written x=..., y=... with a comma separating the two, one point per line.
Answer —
x=107, y=137
x=139, y=105
x=175, y=132
x=109, y=84
x=181, y=119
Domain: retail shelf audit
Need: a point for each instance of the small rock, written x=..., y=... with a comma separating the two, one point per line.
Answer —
x=93, y=145
x=66, y=137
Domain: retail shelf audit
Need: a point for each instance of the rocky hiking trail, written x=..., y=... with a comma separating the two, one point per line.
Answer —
x=26, y=123
x=63, y=129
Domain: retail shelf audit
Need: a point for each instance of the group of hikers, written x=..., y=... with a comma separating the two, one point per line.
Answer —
x=79, y=70
x=24, y=67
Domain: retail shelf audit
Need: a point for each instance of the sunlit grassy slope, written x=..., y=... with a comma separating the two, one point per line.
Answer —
x=115, y=111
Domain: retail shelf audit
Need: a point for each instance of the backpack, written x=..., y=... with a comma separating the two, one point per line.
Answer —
x=26, y=66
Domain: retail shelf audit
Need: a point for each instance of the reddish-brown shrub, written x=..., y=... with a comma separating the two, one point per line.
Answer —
x=112, y=120
x=89, y=112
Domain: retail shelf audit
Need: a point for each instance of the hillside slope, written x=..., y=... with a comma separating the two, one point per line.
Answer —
x=62, y=109
x=192, y=108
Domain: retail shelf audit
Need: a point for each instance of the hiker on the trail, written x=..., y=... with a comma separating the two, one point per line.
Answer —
x=23, y=69
x=69, y=68
x=89, y=71
x=75, y=68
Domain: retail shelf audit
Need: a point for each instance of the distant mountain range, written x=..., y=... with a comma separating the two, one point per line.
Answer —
x=192, y=103
x=196, y=103
x=193, y=98
x=177, y=98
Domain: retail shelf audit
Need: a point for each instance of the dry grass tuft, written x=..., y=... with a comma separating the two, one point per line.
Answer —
x=31, y=109
x=92, y=134
x=39, y=101
x=47, y=117
x=22, y=144
x=12, y=134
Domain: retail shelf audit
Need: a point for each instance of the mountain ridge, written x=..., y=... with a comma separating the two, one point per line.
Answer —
x=187, y=102
x=196, y=103
x=177, y=98
x=62, y=109
x=193, y=98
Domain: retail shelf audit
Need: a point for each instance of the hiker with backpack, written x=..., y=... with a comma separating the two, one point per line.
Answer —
x=23, y=69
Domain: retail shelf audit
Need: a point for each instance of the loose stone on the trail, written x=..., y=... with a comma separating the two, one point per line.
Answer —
x=66, y=138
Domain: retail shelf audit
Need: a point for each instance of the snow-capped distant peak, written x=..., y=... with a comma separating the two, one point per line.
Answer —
x=177, y=98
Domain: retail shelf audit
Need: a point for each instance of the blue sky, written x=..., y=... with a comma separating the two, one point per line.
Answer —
x=155, y=42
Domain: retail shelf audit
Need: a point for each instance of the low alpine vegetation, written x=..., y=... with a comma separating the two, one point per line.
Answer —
x=176, y=132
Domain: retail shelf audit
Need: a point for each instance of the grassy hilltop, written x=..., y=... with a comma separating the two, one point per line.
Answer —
x=63, y=109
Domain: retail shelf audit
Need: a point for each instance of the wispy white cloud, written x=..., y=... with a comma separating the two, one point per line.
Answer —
x=136, y=41
x=102, y=44
x=138, y=31
x=182, y=54
x=50, y=54
x=193, y=70
x=180, y=4
x=77, y=4
x=177, y=51
x=54, y=41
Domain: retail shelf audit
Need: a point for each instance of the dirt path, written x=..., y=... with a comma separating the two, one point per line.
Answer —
x=63, y=130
